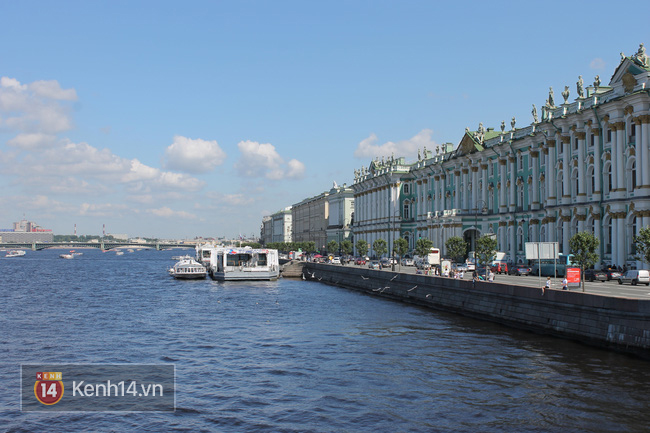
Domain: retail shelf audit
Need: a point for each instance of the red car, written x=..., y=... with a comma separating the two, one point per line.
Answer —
x=360, y=261
x=500, y=267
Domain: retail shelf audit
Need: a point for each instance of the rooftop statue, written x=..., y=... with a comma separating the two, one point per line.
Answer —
x=641, y=56
x=503, y=125
x=581, y=87
x=551, y=97
x=512, y=123
x=535, y=118
x=565, y=94
x=597, y=82
x=480, y=134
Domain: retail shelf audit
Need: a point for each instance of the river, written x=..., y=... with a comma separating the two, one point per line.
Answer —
x=298, y=356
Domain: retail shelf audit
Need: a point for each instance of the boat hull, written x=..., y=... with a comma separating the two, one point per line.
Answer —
x=256, y=275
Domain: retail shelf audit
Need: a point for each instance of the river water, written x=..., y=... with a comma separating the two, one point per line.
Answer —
x=298, y=356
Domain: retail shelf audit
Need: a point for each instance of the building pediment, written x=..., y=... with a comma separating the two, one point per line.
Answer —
x=628, y=68
x=468, y=145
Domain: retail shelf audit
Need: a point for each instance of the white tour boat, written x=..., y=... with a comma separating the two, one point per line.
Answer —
x=188, y=269
x=15, y=253
x=244, y=264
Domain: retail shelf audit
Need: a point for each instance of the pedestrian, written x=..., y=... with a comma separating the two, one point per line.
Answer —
x=565, y=284
x=547, y=286
x=491, y=277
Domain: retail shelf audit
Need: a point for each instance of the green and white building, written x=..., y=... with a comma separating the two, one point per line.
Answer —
x=583, y=164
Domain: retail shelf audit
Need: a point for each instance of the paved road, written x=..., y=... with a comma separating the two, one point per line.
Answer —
x=606, y=288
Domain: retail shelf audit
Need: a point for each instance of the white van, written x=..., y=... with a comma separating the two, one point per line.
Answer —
x=635, y=277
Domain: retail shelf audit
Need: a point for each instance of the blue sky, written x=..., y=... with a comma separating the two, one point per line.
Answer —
x=183, y=119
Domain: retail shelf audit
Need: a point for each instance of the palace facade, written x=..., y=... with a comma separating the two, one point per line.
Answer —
x=584, y=165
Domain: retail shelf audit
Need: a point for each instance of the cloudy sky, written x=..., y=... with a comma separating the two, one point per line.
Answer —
x=183, y=119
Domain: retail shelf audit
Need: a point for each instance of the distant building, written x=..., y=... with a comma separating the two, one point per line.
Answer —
x=119, y=237
x=277, y=227
x=341, y=210
x=26, y=232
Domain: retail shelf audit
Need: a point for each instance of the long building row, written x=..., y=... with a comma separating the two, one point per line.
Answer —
x=582, y=165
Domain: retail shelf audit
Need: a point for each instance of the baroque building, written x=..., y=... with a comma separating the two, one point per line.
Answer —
x=584, y=165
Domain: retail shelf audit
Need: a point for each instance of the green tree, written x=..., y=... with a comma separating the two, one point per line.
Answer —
x=362, y=247
x=380, y=247
x=456, y=248
x=346, y=247
x=642, y=244
x=310, y=247
x=486, y=249
x=583, y=246
x=332, y=247
x=400, y=247
x=422, y=247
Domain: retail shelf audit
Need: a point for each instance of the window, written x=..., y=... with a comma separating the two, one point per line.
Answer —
x=575, y=143
x=591, y=180
x=609, y=135
x=592, y=140
x=607, y=179
x=520, y=239
x=631, y=235
x=631, y=179
x=608, y=235
x=406, y=211
x=406, y=188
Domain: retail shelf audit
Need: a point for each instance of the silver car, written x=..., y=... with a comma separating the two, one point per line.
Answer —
x=635, y=277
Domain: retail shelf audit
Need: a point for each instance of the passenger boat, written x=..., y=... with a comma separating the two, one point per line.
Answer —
x=244, y=264
x=15, y=253
x=204, y=254
x=188, y=269
x=66, y=256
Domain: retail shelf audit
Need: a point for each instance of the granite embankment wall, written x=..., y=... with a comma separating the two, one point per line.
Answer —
x=614, y=323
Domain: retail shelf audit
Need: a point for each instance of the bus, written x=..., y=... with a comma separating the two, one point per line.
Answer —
x=550, y=267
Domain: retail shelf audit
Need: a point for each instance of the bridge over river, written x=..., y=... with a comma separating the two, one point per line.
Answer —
x=103, y=245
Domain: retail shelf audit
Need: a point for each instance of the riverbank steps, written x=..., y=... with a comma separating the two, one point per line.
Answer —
x=618, y=324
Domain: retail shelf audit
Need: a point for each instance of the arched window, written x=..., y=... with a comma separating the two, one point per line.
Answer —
x=542, y=234
x=631, y=233
x=542, y=192
x=560, y=185
x=607, y=178
x=520, y=238
x=591, y=180
x=560, y=235
x=631, y=175
x=574, y=182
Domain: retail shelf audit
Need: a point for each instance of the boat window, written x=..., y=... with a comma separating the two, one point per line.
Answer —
x=261, y=260
x=237, y=259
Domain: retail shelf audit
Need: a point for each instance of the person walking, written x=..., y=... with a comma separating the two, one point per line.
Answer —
x=565, y=284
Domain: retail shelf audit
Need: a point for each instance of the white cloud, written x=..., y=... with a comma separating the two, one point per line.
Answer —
x=262, y=160
x=101, y=209
x=597, y=63
x=166, y=212
x=193, y=155
x=52, y=90
x=368, y=148
x=33, y=140
x=35, y=107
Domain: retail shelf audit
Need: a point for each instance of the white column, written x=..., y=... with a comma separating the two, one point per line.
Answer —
x=639, y=153
x=535, y=198
x=645, y=143
x=551, y=175
x=474, y=187
x=513, y=184
x=620, y=236
x=457, y=182
x=582, y=195
x=503, y=206
x=484, y=187
x=565, y=237
x=566, y=170
x=620, y=160
x=597, y=164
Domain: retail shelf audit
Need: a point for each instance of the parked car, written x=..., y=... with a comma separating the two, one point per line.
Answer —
x=374, y=264
x=500, y=267
x=360, y=261
x=612, y=274
x=407, y=262
x=385, y=263
x=519, y=270
x=336, y=261
x=594, y=275
x=635, y=277
x=460, y=267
